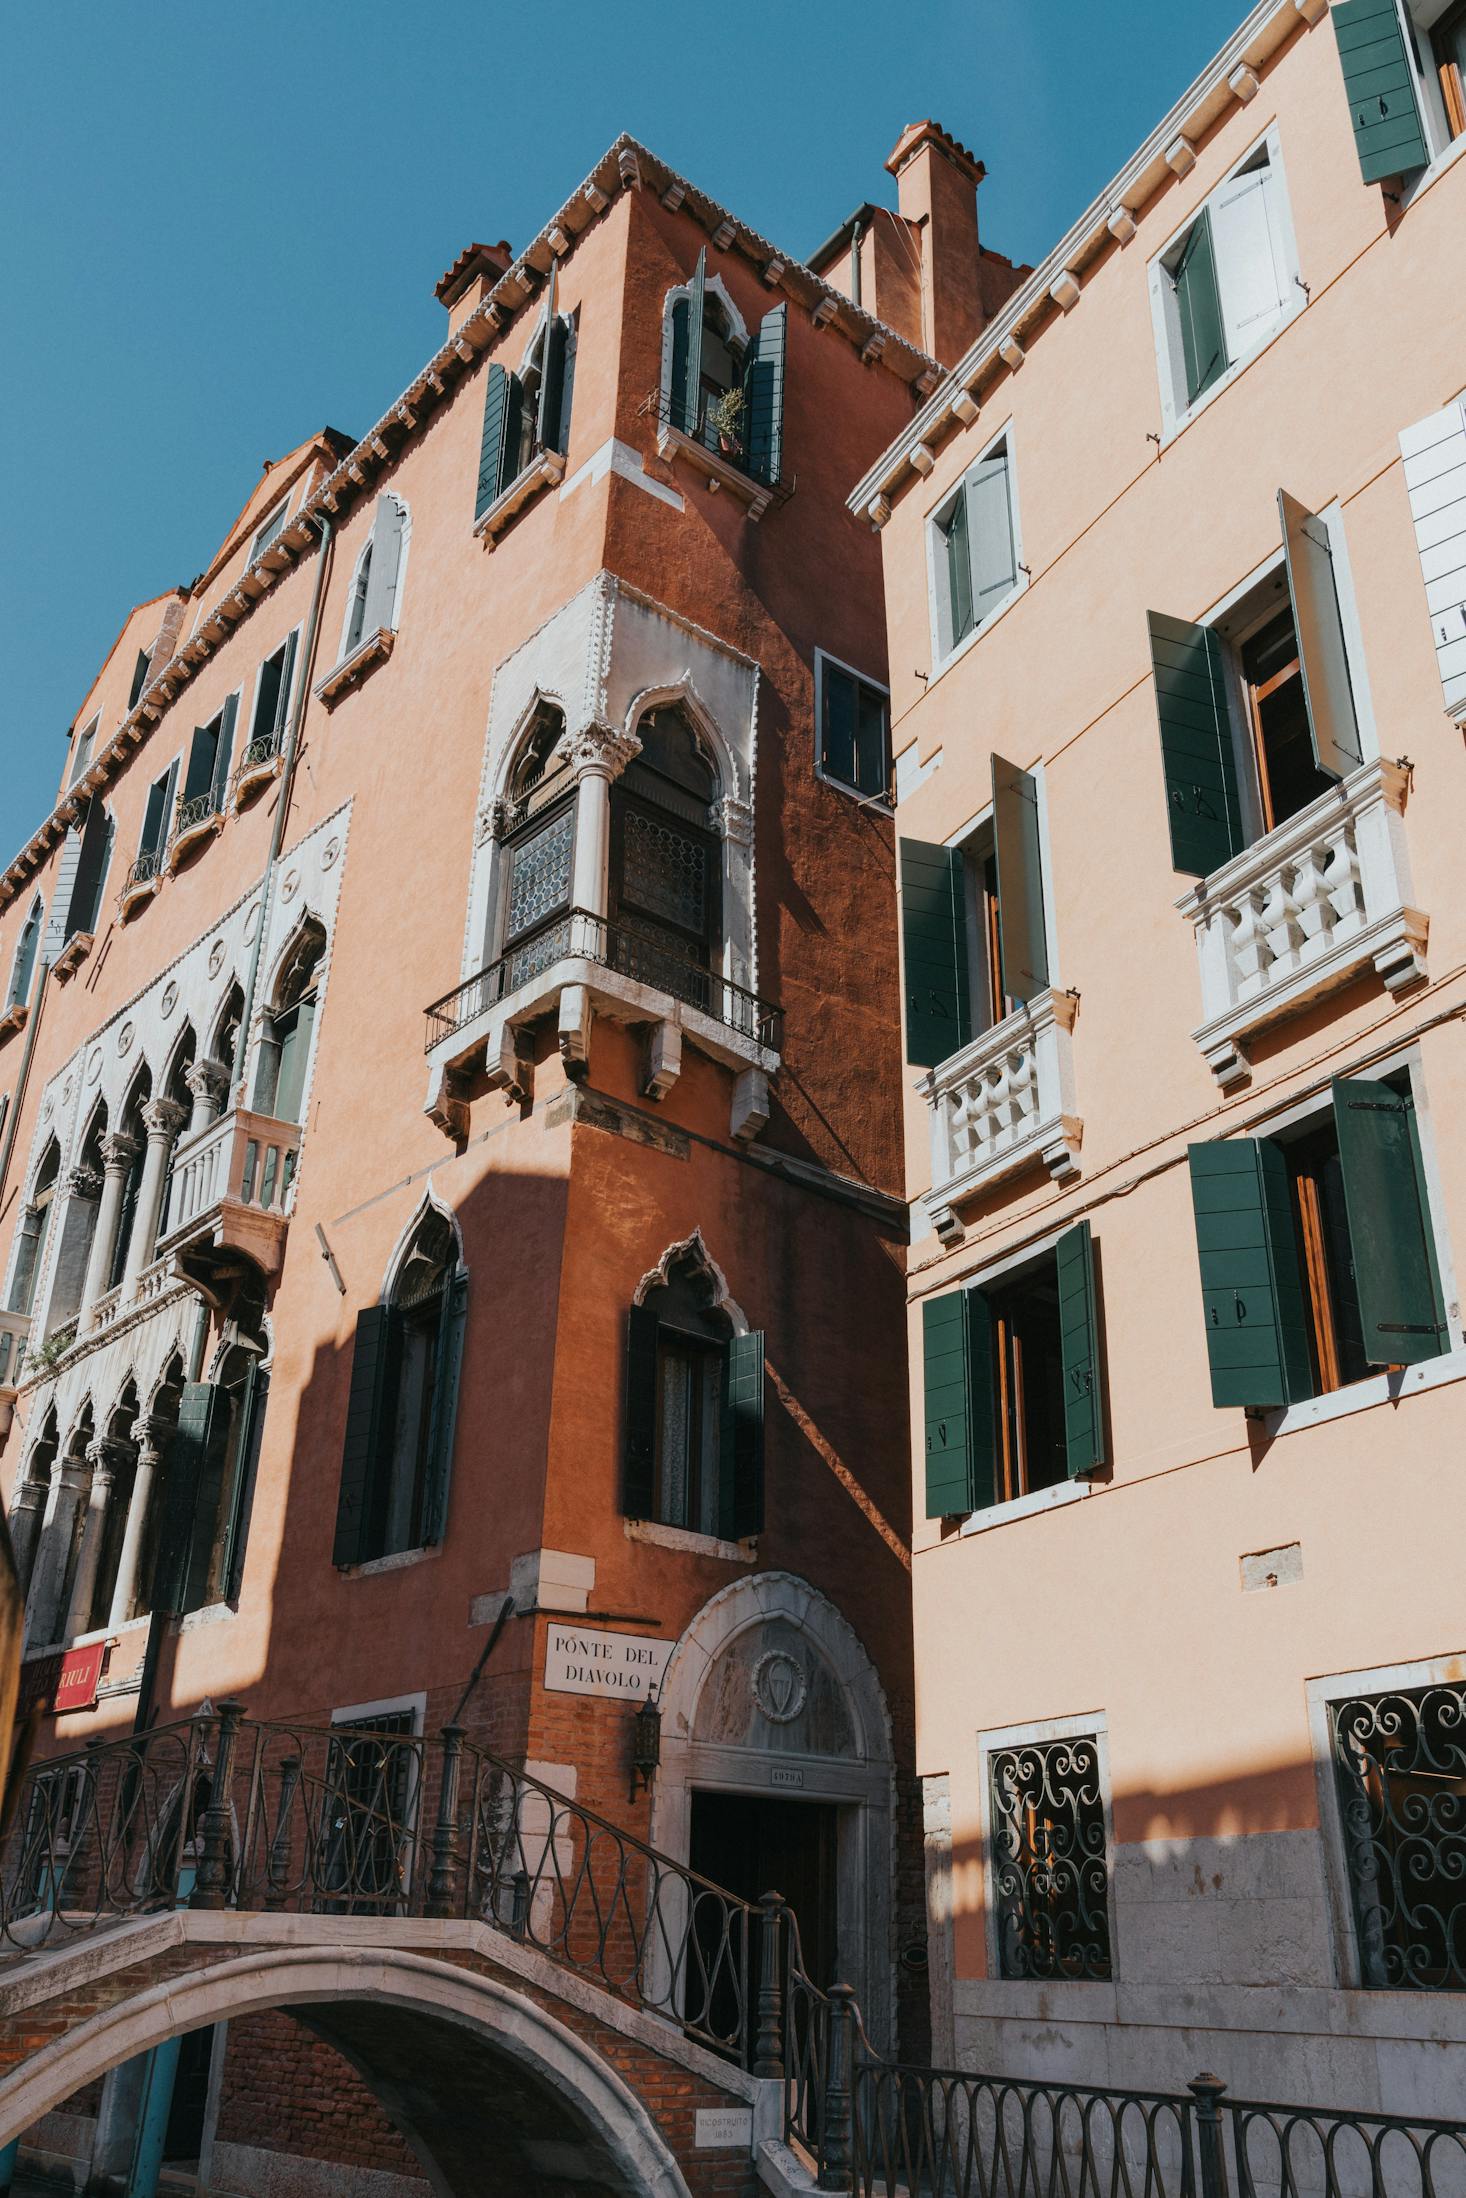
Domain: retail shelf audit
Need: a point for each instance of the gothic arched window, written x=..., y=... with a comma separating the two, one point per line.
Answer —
x=694, y=1409
x=35, y=1224
x=666, y=860
x=285, y=1046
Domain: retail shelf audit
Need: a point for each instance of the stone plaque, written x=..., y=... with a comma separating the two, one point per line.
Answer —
x=580, y=1661
x=785, y=1774
x=723, y=2127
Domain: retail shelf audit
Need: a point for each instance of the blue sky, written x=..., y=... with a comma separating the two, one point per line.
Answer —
x=223, y=225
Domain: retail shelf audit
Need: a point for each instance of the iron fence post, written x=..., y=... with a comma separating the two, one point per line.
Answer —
x=1207, y=2091
x=768, y=2044
x=277, y=1867
x=836, y=2116
x=443, y=1875
x=211, y=1887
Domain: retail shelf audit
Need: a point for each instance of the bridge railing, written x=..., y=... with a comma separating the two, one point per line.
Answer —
x=225, y=1812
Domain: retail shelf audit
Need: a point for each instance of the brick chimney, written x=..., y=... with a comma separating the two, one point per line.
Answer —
x=470, y=279
x=936, y=190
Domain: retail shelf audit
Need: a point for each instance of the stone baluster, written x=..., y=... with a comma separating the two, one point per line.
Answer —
x=1310, y=898
x=1280, y=922
x=208, y=1085
x=152, y=1441
x=107, y=1458
x=1345, y=887
x=118, y=1153
x=162, y=1119
x=1250, y=956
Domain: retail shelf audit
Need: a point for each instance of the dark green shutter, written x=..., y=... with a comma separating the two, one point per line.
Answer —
x=764, y=382
x=447, y=1372
x=957, y=1372
x=1327, y=688
x=91, y=869
x=554, y=416
x=495, y=439
x=253, y=1403
x=741, y=1439
x=1083, y=1369
x=369, y=1410
x=1022, y=943
x=934, y=942
x=639, y=1476
x=224, y=750
x=1196, y=745
x=1251, y=1286
x=1379, y=85
x=686, y=377
x=959, y=571
x=1400, y=1311
x=1199, y=305
x=202, y=749
x=139, y=679
x=192, y=1487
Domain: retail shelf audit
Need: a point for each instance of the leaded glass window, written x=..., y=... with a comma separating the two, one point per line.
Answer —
x=1049, y=1870
x=1400, y=1763
x=539, y=875
x=665, y=872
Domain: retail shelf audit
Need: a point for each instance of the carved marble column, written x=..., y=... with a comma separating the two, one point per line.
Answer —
x=118, y=1153
x=208, y=1084
x=152, y=1436
x=162, y=1119
x=107, y=1458
x=48, y=1582
x=596, y=754
x=26, y=1514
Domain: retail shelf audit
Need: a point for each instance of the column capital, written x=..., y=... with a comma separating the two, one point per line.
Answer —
x=163, y=1119
x=119, y=1150
x=734, y=819
x=208, y=1080
x=151, y=1432
x=30, y=1496
x=84, y=1181
x=598, y=749
x=108, y=1454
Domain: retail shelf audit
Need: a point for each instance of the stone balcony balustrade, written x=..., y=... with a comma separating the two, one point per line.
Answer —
x=1312, y=905
x=1005, y=1102
x=229, y=1197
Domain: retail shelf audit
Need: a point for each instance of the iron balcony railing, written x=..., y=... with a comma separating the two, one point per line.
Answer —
x=731, y=438
x=199, y=809
x=145, y=869
x=258, y=755
x=579, y=936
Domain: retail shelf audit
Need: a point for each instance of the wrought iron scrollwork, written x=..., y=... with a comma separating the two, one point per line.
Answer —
x=1049, y=1872
x=1400, y=1766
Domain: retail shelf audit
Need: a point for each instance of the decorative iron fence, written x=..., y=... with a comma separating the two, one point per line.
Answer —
x=1400, y=1767
x=628, y=952
x=197, y=810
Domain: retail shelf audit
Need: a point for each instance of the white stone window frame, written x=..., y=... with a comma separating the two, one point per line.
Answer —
x=1011, y=1264
x=398, y=587
x=1235, y=619
x=1086, y=1725
x=1176, y=413
x=1418, y=19
x=297, y=674
x=713, y=287
x=1450, y=1365
x=1319, y=1695
x=943, y=660
x=981, y=825
x=882, y=804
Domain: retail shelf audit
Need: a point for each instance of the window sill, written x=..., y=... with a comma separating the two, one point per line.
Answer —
x=353, y=669
x=72, y=955
x=14, y=1018
x=941, y=665
x=250, y=777
x=879, y=805
x=1027, y=1507
x=691, y=1544
x=136, y=892
x=546, y=470
x=397, y=1560
x=207, y=1614
x=1364, y=1396
x=1174, y=424
x=192, y=835
x=1439, y=166
x=716, y=471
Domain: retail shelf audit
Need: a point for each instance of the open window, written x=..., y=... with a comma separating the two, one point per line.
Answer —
x=131, y=1127
x=1263, y=698
x=208, y=1486
x=1317, y=1250
x=722, y=387
x=974, y=930
x=403, y=1402
x=1226, y=284
x=157, y=819
x=527, y=414
x=1404, y=68
x=81, y=754
x=974, y=549
x=271, y=530
x=1014, y=1382
x=139, y=678
x=694, y=1410
x=272, y=707
x=23, y=967
x=853, y=722
x=206, y=779
x=374, y=604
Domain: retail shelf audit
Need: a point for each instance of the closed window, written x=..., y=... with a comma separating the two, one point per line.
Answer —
x=975, y=557
x=1399, y=1764
x=1317, y=1249
x=1013, y=1379
x=854, y=729
x=35, y=1224
x=694, y=1412
x=1226, y=284
x=666, y=867
x=374, y=604
x=272, y=528
x=403, y=1401
x=289, y=1024
x=18, y=991
x=1049, y=1859
x=1260, y=710
x=208, y=1487
x=81, y=754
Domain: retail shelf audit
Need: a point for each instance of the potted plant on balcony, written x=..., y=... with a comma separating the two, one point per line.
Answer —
x=725, y=420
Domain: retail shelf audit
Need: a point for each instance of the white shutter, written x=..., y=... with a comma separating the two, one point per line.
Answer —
x=379, y=609
x=1434, y=452
x=1251, y=273
x=989, y=503
x=66, y=868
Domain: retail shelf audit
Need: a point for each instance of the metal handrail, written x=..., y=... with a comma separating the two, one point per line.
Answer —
x=730, y=446
x=577, y=935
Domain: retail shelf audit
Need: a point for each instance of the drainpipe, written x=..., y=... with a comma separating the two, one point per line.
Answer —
x=856, y=234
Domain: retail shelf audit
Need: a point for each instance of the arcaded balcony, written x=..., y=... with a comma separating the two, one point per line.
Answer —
x=229, y=1197
x=579, y=965
x=1314, y=904
x=15, y=1331
x=1005, y=1102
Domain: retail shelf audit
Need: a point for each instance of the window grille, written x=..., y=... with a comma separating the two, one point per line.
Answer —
x=665, y=873
x=1049, y=1869
x=539, y=875
x=1400, y=1764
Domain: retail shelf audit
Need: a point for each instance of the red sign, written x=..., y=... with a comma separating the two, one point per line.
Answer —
x=81, y=1671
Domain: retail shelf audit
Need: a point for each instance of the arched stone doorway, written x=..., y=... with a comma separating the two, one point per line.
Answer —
x=496, y=2095
x=776, y=1749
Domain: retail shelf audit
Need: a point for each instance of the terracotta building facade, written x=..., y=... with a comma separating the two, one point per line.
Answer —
x=1174, y=567
x=451, y=1154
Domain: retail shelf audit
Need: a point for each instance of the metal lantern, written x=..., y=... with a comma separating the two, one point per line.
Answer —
x=646, y=1745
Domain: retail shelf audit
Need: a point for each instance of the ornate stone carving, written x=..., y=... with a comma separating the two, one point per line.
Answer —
x=208, y=1080
x=600, y=748
x=734, y=819
x=119, y=1150
x=84, y=1182
x=163, y=1118
x=780, y=1686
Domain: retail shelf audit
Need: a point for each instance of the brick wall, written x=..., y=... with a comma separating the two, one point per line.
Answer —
x=286, y=2090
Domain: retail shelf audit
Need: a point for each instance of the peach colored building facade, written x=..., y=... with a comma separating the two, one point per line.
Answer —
x=558, y=700
x=1180, y=804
